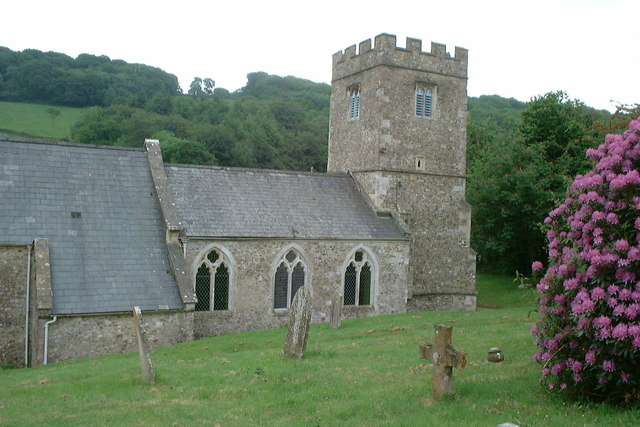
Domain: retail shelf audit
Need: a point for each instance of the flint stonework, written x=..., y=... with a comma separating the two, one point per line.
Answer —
x=299, y=319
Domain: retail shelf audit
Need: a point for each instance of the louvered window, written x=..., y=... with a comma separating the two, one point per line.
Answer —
x=212, y=283
x=358, y=280
x=424, y=102
x=354, y=104
x=289, y=277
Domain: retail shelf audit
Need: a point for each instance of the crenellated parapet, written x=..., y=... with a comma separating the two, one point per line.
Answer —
x=385, y=52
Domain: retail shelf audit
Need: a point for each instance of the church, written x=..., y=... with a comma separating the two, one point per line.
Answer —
x=89, y=232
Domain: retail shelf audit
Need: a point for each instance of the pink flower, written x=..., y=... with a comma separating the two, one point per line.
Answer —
x=625, y=276
x=624, y=377
x=612, y=218
x=537, y=265
x=590, y=357
x=622, y=245
x=609, y=365
x=576, y=366
x=620, y=331
x=570, y=284
x=557, y=368
x=602, y=322
x=597, y=293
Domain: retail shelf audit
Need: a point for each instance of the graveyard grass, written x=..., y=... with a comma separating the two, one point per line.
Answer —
x=367, y=373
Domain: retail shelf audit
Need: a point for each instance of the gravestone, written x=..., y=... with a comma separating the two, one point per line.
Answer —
x=299, y=319
x=336, y=310
x=444, y=358
x=145, y=357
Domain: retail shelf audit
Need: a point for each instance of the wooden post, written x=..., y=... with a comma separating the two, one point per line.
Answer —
x=299, y=319
x=145, y=357
x=336, y=310
x=444, y=358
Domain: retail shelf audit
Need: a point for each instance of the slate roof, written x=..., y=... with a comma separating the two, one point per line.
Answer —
x=110, y=258
x=251, y=203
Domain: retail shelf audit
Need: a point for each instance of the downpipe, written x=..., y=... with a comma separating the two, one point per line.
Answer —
x=27, y=308
x=46, y=338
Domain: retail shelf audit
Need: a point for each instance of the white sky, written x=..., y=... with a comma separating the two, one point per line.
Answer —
x=519, y=49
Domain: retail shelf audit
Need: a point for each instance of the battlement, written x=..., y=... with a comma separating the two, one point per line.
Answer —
x=386, y=52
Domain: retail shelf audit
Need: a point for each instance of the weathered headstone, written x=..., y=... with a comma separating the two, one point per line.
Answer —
x=444, y=358
x=145, y=357
x=336, y=310
x=299, y=319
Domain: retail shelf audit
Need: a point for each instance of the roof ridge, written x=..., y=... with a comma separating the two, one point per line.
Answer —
x=255, y=170
x=18, y=140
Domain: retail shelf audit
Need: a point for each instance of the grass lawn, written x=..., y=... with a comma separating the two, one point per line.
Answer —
x=36, y=120
x=367, y=373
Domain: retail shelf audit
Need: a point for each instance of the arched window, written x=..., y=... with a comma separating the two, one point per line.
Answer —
x=289, y=277
x=358, y=279
x=212, y=282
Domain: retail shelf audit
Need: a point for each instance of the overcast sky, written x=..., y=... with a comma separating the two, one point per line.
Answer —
x=519, y=49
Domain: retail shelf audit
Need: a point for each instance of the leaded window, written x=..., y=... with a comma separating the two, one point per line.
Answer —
x=212, y=283
x=358, y=280
x=424, y=101
x=289, y=277
x=354, y=103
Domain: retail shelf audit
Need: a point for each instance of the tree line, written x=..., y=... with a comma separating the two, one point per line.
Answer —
x=519, y=167
x=520, y=156
x=88, y=80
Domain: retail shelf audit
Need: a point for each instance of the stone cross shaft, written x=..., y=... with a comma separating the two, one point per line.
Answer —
x=299, y=319
x=145, y=357
x=444, y=358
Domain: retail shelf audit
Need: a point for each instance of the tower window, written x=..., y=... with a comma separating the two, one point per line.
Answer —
x=420, y=163
x=354, y=103
x=424, y=101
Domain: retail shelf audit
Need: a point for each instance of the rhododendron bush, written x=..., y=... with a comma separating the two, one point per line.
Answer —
x=589, y=329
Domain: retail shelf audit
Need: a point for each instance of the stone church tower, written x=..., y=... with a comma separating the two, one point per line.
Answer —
x=398, y=125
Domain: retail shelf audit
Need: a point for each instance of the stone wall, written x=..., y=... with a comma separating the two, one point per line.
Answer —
x=442, y=262
x=13, y=285
x=78, y=337
x=253, y=264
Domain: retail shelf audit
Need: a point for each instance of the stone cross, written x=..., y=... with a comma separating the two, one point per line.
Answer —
x=299, y=319
x=336, y=310
x=145, y=357
x=444, y=358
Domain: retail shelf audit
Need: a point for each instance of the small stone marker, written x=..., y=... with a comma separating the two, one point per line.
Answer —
x=444, y=358
x=336, y=310
x=495, y=355
x=145, y=357
x=299, y=319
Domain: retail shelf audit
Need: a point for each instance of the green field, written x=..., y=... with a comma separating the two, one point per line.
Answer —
x=37, y=121
x=367, y=373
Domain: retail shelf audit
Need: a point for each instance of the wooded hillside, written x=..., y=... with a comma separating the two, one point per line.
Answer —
x=520, y=156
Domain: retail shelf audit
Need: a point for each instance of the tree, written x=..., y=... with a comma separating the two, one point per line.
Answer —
x=177, y=150
x=201, y=87
x=515, y=181
x=589, y=332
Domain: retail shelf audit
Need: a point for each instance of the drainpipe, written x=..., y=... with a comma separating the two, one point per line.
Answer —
x=46, y=338
x=26, y=314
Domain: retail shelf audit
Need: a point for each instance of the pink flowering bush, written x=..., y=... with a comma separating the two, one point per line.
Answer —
x=589, y=330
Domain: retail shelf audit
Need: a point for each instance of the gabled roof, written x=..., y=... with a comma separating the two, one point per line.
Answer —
x=248, y=203
x=98, y=208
